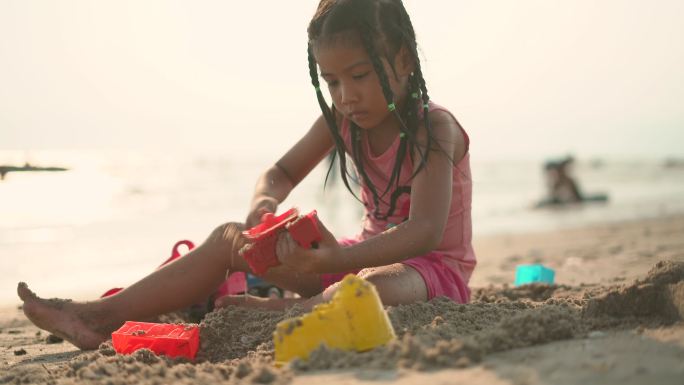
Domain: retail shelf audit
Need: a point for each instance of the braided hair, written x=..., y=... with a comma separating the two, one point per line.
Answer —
x=384, y=27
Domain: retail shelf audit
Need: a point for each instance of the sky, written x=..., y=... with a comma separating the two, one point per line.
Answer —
x=526, y=78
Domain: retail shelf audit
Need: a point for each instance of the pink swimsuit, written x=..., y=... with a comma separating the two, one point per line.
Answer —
x=447, y=269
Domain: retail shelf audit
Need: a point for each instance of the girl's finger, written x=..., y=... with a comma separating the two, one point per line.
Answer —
x=326, y=235
x=282, y=248
x=264, y=210
x=291, y=243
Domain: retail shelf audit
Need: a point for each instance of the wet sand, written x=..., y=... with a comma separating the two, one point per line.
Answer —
x=615, y=316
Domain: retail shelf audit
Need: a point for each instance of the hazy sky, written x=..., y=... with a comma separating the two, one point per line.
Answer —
x=525, y=78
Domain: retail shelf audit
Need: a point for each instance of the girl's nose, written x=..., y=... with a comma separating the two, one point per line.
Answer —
x=348, y=94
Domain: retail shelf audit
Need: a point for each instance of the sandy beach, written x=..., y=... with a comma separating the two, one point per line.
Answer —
x=129, y=127
x=615, y=316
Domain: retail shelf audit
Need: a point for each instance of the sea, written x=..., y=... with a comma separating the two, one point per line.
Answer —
x=114, y=215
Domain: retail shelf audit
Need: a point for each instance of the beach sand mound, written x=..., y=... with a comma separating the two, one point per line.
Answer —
x=660, y=295
x=237, y=343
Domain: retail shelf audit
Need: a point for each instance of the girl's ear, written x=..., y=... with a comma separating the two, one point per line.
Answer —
x=404, y=62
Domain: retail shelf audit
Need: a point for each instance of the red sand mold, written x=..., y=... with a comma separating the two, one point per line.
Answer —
x=171, y=340
x=260, y=253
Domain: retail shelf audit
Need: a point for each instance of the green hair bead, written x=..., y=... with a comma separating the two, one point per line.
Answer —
x=415, y=95
x=391, y=107
x=402, y=134
x=426, y=106
x=317, y=88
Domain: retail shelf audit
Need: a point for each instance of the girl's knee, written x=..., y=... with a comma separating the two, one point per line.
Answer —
x=377, y=276
x=381, y=272
x=396, y=284
x=367, y=273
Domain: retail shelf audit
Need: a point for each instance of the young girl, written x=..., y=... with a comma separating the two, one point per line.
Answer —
x=410, y=157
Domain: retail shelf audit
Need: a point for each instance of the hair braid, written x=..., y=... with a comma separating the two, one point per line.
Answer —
x=368, y=41
x=330, y=120
x=410, y=42
x=369, y=45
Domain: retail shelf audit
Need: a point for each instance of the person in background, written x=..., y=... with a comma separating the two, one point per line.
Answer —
x=562, y=187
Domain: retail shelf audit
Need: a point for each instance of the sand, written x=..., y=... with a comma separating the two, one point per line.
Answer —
x=615, y=316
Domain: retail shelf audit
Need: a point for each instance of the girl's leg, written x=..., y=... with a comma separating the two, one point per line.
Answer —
x=396, y=284
x=181, y=283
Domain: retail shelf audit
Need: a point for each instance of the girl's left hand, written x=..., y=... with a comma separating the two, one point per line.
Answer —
x=320, y=260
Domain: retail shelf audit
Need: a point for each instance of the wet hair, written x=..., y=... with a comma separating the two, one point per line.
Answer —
x=383, y=28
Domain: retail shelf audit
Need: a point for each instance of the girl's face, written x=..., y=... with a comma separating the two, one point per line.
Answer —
x=353, y=84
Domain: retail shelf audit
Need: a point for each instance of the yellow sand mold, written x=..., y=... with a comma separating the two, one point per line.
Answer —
x=353, y=320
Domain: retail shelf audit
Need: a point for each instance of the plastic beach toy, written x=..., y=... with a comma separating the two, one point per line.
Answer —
x=175, y=253
x=172, y=340
x=353, y=320
x=535, y=273
x=260, y=252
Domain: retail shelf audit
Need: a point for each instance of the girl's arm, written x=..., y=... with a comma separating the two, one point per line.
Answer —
x=430, y=204
x=274, y=185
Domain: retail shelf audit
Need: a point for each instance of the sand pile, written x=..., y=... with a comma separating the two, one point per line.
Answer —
x=237, y=343
x=144, y=367
x=659, y=295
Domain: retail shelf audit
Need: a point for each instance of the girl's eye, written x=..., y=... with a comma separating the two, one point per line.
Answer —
x=360, y=76
x=332, y=83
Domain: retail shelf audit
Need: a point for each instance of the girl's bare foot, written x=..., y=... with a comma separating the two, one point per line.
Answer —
x=74, y=322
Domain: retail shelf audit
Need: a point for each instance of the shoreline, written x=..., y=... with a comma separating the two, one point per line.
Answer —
x=592, y=263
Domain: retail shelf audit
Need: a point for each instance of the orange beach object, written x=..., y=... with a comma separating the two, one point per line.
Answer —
x=260, y=252
x=171, y=340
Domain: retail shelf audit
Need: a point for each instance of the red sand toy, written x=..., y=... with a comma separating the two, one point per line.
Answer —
x=260, y=253
x=171, y=340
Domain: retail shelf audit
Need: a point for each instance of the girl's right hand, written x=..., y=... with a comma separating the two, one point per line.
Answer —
x=260, y=207
x=323, y=259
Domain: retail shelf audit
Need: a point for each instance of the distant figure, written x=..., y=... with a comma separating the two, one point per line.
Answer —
x=562, y=187
x=672, y=162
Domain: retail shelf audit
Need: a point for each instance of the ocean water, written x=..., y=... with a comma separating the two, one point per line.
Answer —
x=113, y=216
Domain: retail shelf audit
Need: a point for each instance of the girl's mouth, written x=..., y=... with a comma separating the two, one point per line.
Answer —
x=358, y=115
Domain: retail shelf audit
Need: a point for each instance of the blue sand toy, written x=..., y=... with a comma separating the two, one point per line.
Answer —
x=533, y=274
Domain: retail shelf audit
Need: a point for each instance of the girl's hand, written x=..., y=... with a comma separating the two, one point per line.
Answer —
x=260, y=207
x=323, y=259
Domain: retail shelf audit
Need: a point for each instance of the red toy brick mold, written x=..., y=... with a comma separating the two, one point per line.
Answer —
x=260, y=253
x=305, y=231
x=171, y=340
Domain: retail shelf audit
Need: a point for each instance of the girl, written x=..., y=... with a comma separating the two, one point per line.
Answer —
x=409, y=155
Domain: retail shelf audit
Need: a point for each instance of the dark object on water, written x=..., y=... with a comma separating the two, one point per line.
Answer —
x=595, y=198
x=673, y=163
x=562, y=186
x=4, y=169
